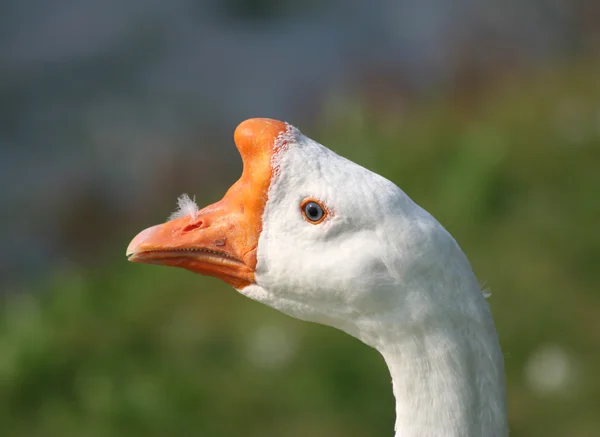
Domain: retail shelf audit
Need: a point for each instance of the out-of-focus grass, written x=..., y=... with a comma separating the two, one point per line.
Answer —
x=513, y=174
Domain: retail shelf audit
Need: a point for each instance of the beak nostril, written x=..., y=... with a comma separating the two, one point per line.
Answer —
x=193, y=226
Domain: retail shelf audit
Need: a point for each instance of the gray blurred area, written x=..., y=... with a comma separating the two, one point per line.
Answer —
x=104, y=103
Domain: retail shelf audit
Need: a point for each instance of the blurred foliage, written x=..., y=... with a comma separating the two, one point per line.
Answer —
x=513, y=173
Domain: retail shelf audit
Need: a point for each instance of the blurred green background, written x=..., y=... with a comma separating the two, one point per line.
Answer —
x=504, y=150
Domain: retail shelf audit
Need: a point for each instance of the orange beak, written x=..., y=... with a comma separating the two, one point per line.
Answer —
x=222, y=239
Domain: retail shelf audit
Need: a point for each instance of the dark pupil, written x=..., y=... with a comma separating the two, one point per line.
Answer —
x=313, y=211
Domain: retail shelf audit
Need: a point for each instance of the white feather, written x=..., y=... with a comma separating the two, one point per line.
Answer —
x=185, y=207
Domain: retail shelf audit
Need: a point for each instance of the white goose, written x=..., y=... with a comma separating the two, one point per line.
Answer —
x=320, y=238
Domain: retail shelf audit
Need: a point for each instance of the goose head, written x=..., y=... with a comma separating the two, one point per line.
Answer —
x=323, y=239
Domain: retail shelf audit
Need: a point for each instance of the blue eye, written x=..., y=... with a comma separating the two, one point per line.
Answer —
x=313, y=211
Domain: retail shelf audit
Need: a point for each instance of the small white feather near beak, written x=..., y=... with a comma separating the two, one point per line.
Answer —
x=185, y=207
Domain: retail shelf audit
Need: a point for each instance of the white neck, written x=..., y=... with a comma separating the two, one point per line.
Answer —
x=444, y=358
x=448, y=383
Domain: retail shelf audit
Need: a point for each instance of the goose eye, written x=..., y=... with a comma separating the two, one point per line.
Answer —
x=313, y=211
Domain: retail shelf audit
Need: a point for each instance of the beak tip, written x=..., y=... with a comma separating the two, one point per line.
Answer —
x=131, y=249
x=130, y=253
x=137, y=241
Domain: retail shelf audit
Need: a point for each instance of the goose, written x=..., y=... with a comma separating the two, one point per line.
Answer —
x=322, y=239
